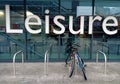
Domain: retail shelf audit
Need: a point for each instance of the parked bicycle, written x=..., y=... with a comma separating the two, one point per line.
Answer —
x=73, y=59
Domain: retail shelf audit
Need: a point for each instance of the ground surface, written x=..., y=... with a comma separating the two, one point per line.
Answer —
x=34, y=73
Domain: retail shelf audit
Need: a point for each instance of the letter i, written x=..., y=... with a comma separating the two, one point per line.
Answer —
x=47, y=31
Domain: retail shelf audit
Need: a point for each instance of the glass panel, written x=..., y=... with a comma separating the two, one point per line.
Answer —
x=109, y=44
x=11, y=43
x=4, y=43
x=80, y=7
x=41, y=42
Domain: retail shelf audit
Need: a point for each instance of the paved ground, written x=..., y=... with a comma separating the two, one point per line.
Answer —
x=33, y=73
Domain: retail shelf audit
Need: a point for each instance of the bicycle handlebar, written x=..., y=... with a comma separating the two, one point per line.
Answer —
x=73, y=44
x=76, y=45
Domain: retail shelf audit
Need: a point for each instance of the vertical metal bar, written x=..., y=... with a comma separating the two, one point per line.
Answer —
x=59, y=38
x=102, y=46
x=97, y=58
x=25, y=49
x=22, y=58
x=45, y=62
x=23, y=62
x=34, y=48
x=14, y=69
x=16, y=47
x=93, y=5
x=42, y=10
x=59, y=4
x=91, y=42
x=118, y=49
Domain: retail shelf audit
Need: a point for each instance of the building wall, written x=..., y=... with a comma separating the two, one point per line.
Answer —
x=35, y=46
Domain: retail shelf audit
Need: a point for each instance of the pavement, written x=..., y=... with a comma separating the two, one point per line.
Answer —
x=57, y=73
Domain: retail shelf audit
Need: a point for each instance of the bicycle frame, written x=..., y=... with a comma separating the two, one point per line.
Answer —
x=79, y=62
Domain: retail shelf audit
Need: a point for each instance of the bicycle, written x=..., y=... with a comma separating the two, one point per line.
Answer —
x=74, y=58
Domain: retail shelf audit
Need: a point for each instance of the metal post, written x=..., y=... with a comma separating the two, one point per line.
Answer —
x=22, y=58
x=117, y=49
x=91, y=44
x=25, y=49
x=97, y=58
x=46, y=63
x=59, y=38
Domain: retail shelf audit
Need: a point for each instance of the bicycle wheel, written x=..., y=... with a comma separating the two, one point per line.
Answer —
x=67, y=59
x=82, y=66
x=71, y=66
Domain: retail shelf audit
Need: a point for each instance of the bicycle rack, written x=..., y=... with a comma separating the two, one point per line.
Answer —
x=14, y=68
x=105, y=57
x=46, y=60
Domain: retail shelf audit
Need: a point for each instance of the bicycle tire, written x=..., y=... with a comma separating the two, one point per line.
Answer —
x=82, y=67
x=67, y=59
x=83, y=70
x=72, y=66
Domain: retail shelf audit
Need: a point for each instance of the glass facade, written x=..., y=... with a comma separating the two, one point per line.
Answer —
x=34, y=46
x=110, y=44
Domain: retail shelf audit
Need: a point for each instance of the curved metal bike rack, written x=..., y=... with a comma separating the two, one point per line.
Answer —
x=46, y=60
x=14, y=57
x=105, y=58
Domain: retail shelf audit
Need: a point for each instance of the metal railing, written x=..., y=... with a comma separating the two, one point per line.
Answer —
x=14, y=57
x=105, y=58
